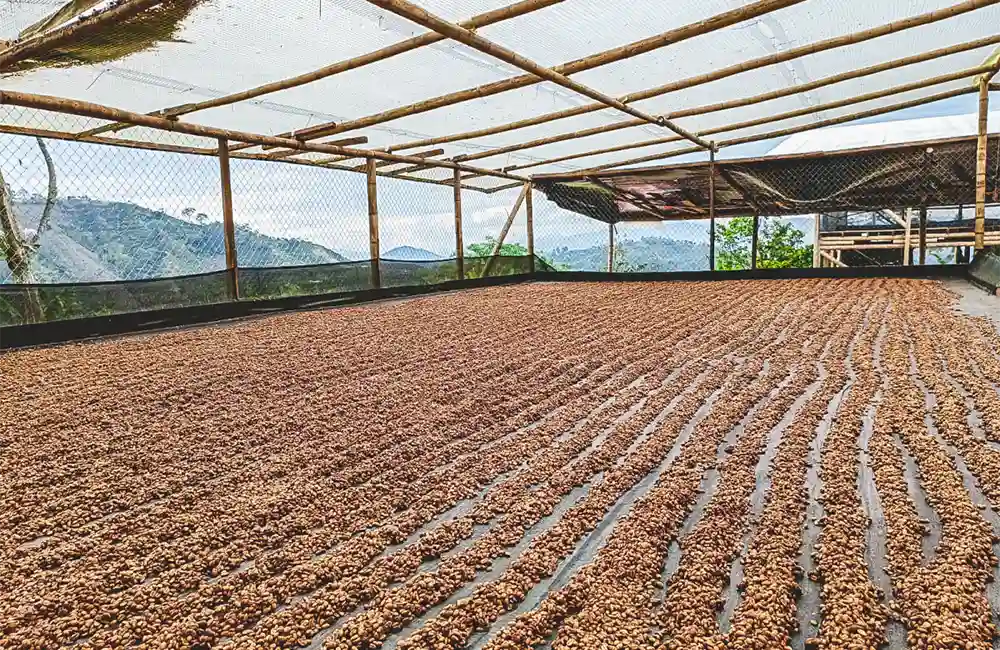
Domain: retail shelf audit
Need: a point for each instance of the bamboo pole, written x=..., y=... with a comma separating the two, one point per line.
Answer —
x=342, y=142
x=833, y=260
x=482, y=20
x=88, y=109
x=711, y=208
x=818, y=224
x=908, y=243
x=720, y=21
x=529, y=213
x=770, y=135
x=611, y=247
x=746, y=66
x=753, y=242
x=417, y=154
x=505, y=230
x=459, y=244
x=984, y=107
x=423, y=17
x=374, y=249
x=39, y=46
x=923, y=235
x=767, y=119
x=228, y=225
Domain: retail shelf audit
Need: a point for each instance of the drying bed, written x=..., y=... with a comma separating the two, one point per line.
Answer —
x=750, y=464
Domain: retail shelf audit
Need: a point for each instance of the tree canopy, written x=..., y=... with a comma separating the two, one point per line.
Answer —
x=779, y=245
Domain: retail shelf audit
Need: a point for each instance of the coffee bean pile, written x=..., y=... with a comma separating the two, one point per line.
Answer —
x=567, y=465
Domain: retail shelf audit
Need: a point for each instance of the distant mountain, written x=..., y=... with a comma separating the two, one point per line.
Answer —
x=646, y=254
x=410, y=254
x=91, y=240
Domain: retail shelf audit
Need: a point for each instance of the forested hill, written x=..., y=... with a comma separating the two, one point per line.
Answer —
x=646, y=254
x=92, y=240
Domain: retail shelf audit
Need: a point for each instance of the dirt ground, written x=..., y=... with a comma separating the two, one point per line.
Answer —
x=752, y=464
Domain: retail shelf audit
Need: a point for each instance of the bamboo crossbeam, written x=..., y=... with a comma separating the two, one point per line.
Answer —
x=481, y=20
x=98, y=111
x=719, y=21
x=780, y=133
x=808, y=110
x=833, y=260
x=419, y=154
x=722, y=73
x=73, y=32
x=343, y=142
x=423, y=17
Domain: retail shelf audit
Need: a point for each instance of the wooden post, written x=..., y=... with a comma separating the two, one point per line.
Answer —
x=228, y=226
x=459, y=245
x=908, y=234
x=611, y=248
x=753, y=242
x=984, y=105
x=817, y=260
x=923, y=235
x=495, y=253
x=711, y=209
x=530, y=223
x=375, y=252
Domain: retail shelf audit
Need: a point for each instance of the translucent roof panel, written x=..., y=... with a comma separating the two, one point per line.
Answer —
x=210, y=48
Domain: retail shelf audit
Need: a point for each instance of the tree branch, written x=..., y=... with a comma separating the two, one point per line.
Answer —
x=50, y=198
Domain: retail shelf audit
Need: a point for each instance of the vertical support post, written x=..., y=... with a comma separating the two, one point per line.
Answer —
x=459, y=245
x=711, y=208
x=375, y=252
x=753, y=242
x=611, y=247
x=228, y=226
x=984, y=105
x=530, y=223
x=908, y=233
x=923, y=235
x=817, y=260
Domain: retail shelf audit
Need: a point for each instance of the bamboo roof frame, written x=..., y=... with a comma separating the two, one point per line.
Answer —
x=289, y=145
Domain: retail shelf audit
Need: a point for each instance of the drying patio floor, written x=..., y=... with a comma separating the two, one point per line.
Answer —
x=751, y=464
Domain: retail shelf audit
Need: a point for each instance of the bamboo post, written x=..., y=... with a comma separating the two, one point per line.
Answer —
x=817, y=260
x=923, y=235
x=495, y=253
x=459, y=245
x=984, y=105
x=611, y=247
x=530, y=223
x=753, y=242
x=711, y=209
x=228, y=225
x=375, y=252
x=908, y=242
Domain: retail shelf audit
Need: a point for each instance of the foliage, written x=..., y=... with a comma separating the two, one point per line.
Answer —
x=779, y=246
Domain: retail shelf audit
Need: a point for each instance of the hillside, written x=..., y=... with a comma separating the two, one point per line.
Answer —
x=410, y=254
x=646, y=254
x=93, y=240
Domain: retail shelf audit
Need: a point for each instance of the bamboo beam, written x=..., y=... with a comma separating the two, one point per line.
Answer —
x=994, y=88
x=74, y=32
x=374, y=248
x=768, y=119
x=505, y=230
x=984, y=107
x=816, y=237
x=717, y=107
x=529, y=213
x=711, y=209
x=481, y=20
x=98, y=111
x=611, y=247
x=419, y=154
x=833, y=260
x=722, y=73
x=343, y=142
x=720, y=21
x=459, y=244
x=789, y=131
x=423, y=17
x=228, y=225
